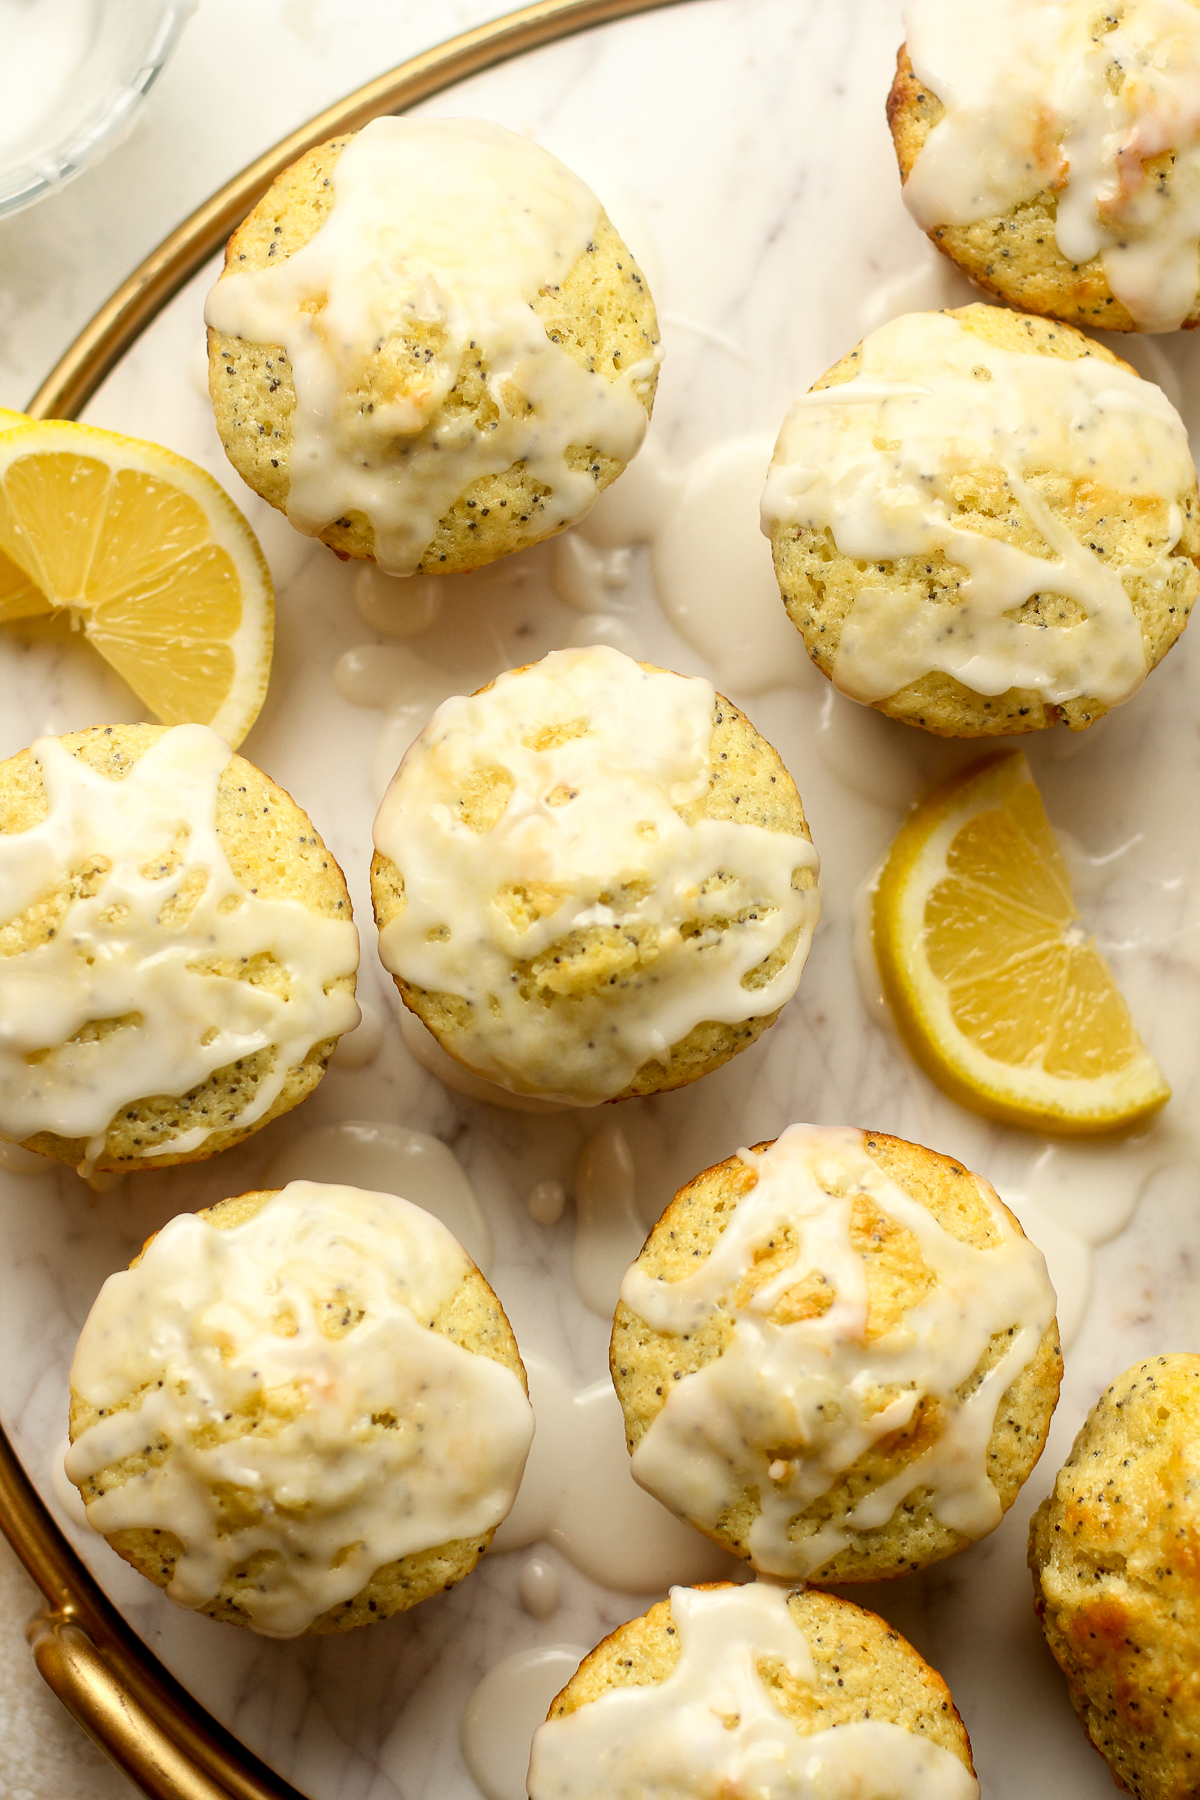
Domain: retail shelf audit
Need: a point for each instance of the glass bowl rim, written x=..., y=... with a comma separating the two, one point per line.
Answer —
x=30, y=179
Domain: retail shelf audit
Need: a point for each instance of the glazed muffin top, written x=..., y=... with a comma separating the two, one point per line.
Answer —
x=837, y=1355
x=978, y=504
x=584, y=862
x=429, y=346
x=1054, y=152
x=290, y=1392
x=166, y=913
x=737, y=1689
x=1112, y=1549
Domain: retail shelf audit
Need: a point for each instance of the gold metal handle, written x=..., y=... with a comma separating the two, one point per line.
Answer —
x=99, y=1700
x=122, y=319
x=110, y=1682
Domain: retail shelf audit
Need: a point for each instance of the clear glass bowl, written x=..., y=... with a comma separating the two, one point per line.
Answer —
x=72, y=76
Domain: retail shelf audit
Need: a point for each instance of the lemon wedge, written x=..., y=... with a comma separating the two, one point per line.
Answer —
x=151, y=558
x=994, y=986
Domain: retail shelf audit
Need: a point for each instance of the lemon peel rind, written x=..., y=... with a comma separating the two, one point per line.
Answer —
x=1027, y=1097
x=20, y=598
x=252, y=644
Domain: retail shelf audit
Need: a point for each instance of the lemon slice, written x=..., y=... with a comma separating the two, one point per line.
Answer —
x=995, y=988
x=152, y=559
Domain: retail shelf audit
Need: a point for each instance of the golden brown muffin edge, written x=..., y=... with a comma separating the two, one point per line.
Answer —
x=748, y=783
x=274, y=849
x=472, y=1317
x=601, y=313
x=1114, y=1551
x=645, y=1363
x=862, y=1666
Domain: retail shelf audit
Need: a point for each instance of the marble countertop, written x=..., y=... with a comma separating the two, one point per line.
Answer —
x=770, y=275
x=59, y=261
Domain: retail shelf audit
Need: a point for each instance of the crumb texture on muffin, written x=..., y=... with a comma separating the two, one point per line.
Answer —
x=720, y=1689
x=300, y=1411
x=1116, y=1574
x=983, y=523
x=178, y=957
x=1053, y=152
x=837, y=1355
x=429, y=346
x=593, y=878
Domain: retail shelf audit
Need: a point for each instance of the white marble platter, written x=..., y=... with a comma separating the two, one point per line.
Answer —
x=741, y=147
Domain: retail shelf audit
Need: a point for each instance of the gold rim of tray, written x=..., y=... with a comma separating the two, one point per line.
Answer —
x=127, y=1701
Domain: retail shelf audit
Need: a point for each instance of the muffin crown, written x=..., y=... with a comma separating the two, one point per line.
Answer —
x=900, y=462
x=1112, y=1550
x=1075, y=101
x=294, y=1407
x=713, y=1726
x=850, y=1307
x=541, y=831
x=442, y=234
x=141, y=986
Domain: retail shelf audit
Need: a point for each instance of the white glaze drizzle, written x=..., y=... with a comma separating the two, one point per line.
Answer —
x=362, y=1045
x=819, y=1388
x=609, y=1228
x=712, y=1728
x=456, y=224
x=539, y=1588
x=385, y=1158
x=701, y=520
x=578, y=1495
x=1038, y=94
x=871, y=459
x=115, y=957
x=213, y=1323
x=587, y=815
x=707, y=549
x=506, y=1709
